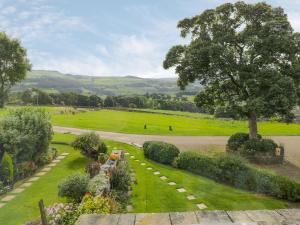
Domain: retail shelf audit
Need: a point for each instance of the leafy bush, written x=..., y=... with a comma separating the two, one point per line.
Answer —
x=102, y=158
x=102, y=148
x=94, y=205
x=3, y=189
x=120, y=177
x=87, y=144
x=27, y=135
x=93, y=168
x=233, y=170
x=259, y=145
x=25, y=169
x=73, y=187
x=160, y=151
x=62, y=214
x=6, y=170
x=99, y=184
x=237, y=140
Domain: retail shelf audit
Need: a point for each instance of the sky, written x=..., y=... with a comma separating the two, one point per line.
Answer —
x=106, y=37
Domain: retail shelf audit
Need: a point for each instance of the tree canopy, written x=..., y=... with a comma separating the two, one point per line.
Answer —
x=245, y=56
x=13, y=64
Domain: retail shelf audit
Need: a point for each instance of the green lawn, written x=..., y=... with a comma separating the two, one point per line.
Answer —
x=133, y=122
x=149, y=195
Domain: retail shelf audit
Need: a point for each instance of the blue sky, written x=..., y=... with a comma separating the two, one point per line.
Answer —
x=106, y=38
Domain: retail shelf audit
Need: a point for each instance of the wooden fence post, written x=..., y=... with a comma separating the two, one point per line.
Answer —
x=42, y=212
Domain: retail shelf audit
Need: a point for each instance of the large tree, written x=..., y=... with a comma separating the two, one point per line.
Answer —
x=245, y=56
x=13, y=65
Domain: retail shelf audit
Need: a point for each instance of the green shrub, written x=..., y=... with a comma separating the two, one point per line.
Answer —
x=27, y=135
x=102, y=148
x=6, y=170
x=94, y=205
x=259, y=145
x=120, y=177
x=237, y=140
x=196, y=163
x=73, y=187
x=87, y=144
x=98, y=184
x=25, y=169
x=160, y=152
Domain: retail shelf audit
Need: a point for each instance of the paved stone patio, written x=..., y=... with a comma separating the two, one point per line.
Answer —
x=214, y=217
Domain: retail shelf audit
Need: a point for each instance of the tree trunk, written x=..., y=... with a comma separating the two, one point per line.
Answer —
x=252, y=125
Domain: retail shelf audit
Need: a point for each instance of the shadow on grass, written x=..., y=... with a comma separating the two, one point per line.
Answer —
x=77, y=163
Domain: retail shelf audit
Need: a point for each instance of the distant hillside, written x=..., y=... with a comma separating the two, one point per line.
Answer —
x=53, y=81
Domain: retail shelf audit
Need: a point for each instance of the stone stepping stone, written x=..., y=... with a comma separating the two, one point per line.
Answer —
x=65, y=153
x=137, y=160
x=46, y=169
x=163, y=178
x=191, y=197
x=8, y=198
x=26, y=185
x=17, y=190
x=61, y=157
x=149, y=168
x=172, y=183
x=132, y=157
x=56, y=161
x=40, y=174
x=201, y=206
x=52, y=164
x=33, y=179
x=143, y=164
x=181, y=190
x=127, y=153
x=2, y=204
x=156, y=173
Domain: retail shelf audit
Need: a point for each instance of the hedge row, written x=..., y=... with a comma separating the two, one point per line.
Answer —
x=234, y=171
x=160, y=151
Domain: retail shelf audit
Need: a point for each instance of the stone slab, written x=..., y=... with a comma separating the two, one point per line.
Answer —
x=127, y=219
x=172, y=183
x=163, y=178
x=239, y=216
x=52, y=164
x=40, y=174
x=98, y=219
x=65, y=153
x=201, y=206
x=215, y=216
x=269, y=216
x=56, y=160
x=126, y=153
x=132, y=157
x=149, y=168
x=293, y=214
x=143, y=164
x=33, y=179
x=156, y=173
x=46, y=169
x=27, y=184
x=8, y=198
x=17, y=190
x=191, y=197
x=137, y=160
x=183, y=218
x=61, y=157
x=152, y=219
x=181, y=190
x=2, y=204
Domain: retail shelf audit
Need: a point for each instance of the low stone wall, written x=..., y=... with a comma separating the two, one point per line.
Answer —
x=266, y=217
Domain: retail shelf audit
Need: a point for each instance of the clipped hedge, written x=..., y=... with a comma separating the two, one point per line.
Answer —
x=160, y=151
x=235, y=171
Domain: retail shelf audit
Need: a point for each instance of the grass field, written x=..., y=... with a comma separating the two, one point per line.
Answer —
x=183, y=123
x=133, y=122
x=149, y=195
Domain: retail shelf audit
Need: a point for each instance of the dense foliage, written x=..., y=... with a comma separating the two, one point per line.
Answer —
x=74, y=187
x=160, y=151
x=14, y=65
x=89, y=145
x=6, y=170
x=234, y=171
x=245, y=56
x=27, y=135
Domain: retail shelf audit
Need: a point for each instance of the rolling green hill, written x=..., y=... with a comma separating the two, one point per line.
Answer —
x=53, y=81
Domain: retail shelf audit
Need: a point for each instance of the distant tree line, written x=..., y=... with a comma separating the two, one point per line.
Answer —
x=35, y=96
